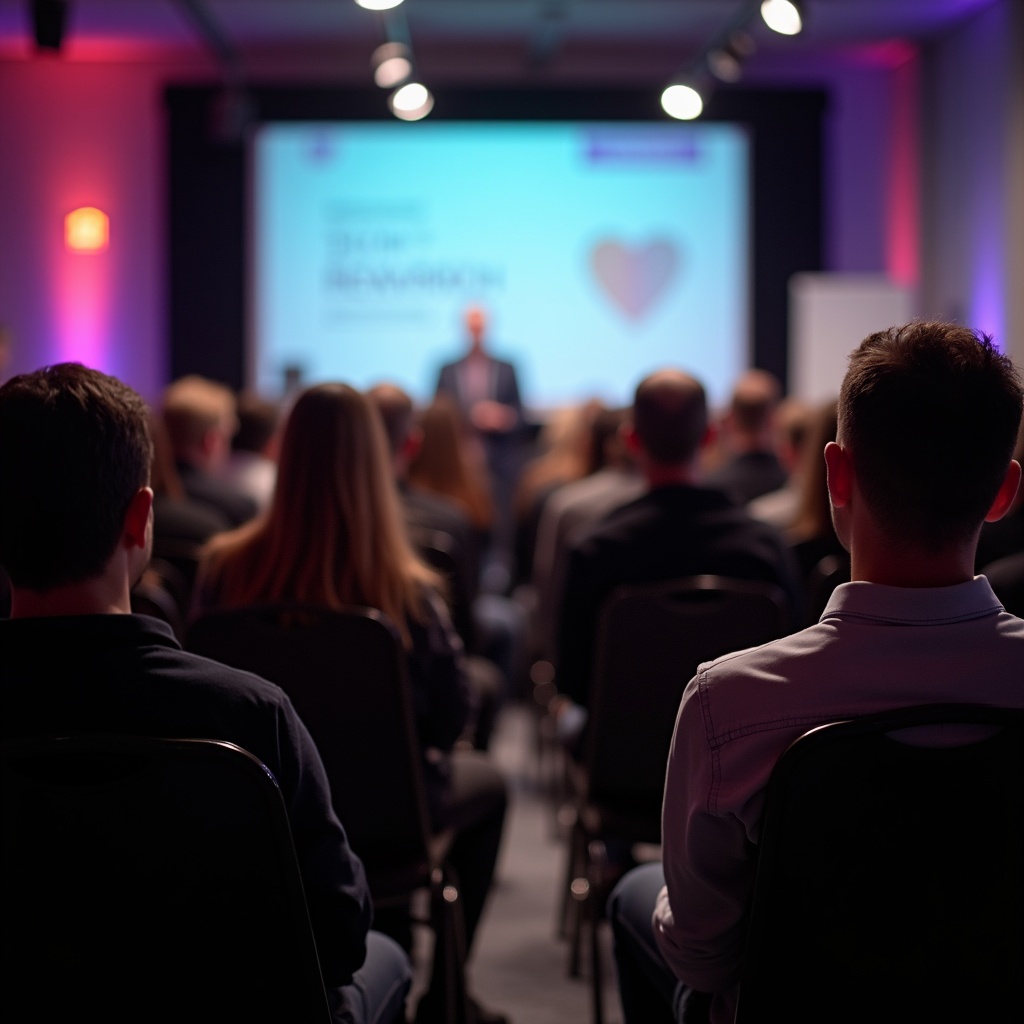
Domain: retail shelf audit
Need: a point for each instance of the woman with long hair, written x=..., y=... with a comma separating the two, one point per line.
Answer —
x=334, y=536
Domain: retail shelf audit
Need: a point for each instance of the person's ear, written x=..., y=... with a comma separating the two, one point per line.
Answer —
x=1007, y=492
x=136, y=519
x=839, y=469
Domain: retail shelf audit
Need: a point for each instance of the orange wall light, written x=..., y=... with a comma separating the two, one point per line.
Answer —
x=86, y=230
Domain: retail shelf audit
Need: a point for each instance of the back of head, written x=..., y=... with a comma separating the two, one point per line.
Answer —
x=333, y=534
x=192, y=407
x=397, y=413
x=257, y=423
x=929, y=413
x=754, y=400
x=670, y=417
x=74, y=449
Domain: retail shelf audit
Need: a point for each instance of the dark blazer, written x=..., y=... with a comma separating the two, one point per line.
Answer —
x=665, y=534
x=748, y=476
x=503, y=384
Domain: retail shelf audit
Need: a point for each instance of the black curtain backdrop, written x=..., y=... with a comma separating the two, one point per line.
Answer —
x=207, y=194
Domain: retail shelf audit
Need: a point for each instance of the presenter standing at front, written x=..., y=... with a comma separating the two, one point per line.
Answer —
x=487, y=392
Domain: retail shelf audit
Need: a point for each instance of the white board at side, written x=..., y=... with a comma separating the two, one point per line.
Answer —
x=829, y=316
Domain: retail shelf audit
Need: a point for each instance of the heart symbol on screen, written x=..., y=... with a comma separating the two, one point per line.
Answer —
x=634, y=277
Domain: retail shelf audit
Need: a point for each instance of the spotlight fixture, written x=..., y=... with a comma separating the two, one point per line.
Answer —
x=392, y=64
x=682, y=102
x=49, y=18
x=782, y=16
x=725, y=62
x=411, y=102
x=378, y=5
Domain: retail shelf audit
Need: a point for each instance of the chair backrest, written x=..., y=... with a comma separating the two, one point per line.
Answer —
x=150, y=879
x=890, y=881
x=651, y=638
x=345, y=673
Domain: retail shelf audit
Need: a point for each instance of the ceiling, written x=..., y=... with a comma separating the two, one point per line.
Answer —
x=484, y=41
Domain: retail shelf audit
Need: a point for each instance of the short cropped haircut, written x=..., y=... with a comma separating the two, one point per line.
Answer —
x=754, y=401
x=670, y=416
x=194, y=405
x=74, y=448
x=930, y=414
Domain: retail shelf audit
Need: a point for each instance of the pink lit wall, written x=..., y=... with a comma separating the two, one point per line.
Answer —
x=84, y=134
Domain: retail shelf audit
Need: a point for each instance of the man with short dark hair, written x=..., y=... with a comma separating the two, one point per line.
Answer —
x=675, y=529
x=748, y=434
x=928, y=417
x=75, y=535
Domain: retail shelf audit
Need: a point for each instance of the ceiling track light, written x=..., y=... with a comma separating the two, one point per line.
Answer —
x=392, y=64
x=411, y=102
x=783, y=16
x=377, y=5
x=725, y=62
x=682, y=100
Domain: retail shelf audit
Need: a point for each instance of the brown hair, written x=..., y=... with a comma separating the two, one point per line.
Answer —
x=334, y=534
x=74, y=449
x=930, y=414
x=443, y=464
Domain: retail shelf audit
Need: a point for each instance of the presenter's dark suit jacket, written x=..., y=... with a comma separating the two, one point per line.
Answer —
x=503, y=385
x=665, y=534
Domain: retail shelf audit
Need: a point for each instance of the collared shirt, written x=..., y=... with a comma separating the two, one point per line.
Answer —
x=875, y=648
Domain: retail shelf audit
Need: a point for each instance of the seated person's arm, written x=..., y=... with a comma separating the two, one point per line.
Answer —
x=701, y=917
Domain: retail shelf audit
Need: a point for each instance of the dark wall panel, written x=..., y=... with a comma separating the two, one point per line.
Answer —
x=207, y=195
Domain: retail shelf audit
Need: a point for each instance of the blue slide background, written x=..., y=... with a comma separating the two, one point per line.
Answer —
x=602, y=251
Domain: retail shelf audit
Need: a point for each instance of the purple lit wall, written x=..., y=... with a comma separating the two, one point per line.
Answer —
x=973, y=230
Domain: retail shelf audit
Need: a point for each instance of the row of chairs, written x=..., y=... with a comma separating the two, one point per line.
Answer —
x=77, y=816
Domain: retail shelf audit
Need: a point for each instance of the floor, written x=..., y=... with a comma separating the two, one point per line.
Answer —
x=520, y=965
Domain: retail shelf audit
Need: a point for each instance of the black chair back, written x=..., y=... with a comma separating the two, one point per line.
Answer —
x=890, y=881
x=651, y=639
x=150, y=879
x=345, y=673
x=1006, y=575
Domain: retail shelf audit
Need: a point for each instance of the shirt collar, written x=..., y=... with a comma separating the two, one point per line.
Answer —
x=971, y=600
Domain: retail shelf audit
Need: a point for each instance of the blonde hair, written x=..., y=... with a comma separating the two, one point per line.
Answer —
x=334, y=534
x=192, y=406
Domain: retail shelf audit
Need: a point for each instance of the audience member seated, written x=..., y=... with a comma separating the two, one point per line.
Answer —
x=75, y=533
x=567, y=453
x=675, y=529
x=200, y=418
x=251, y=467
x=928, y=415
x=779, y=507
x=615, y=481
x=449, y=464
x=334, y=536
x=177, y=518
x=812, y=535
x=752, y=467
x=490, y=631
